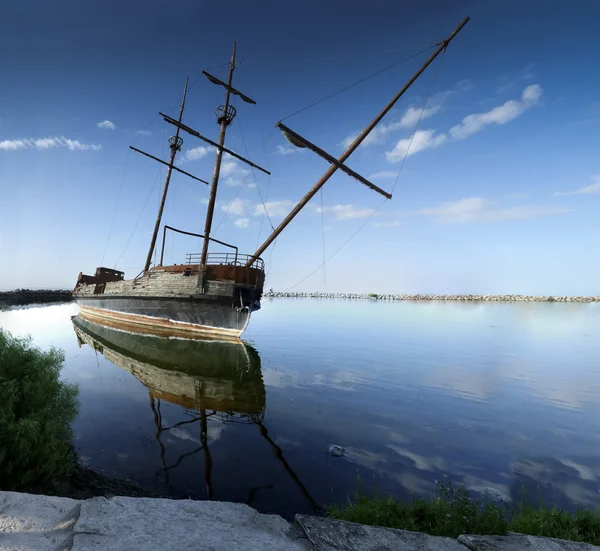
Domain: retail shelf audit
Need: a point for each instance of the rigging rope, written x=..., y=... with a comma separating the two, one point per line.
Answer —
x=359, y=82
x=116, y=207
x=246, y=179
x=395, y=183
x=140, y=216
x=254, y=175
x=323, y=236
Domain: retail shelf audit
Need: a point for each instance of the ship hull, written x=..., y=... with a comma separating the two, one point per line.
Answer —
x=194, y=315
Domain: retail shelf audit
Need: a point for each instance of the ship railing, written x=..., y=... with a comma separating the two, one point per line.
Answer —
x=225, y=259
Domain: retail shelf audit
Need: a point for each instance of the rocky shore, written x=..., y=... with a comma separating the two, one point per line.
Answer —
x=29, y=296
x=464, y=298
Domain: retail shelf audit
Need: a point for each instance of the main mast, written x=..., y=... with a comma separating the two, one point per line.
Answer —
x=175, y=143
x=226, y=114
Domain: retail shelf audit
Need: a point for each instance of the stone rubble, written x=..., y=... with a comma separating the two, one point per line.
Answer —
x=464, y=298
x=44, y=523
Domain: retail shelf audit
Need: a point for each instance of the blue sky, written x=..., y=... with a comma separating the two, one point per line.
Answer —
x=499, y=193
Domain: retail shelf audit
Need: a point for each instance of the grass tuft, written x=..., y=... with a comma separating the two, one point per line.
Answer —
x=453, y=512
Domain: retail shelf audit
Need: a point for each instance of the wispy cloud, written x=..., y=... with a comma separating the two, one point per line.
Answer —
x=242, y=222
x=392, y=224
x=502, y=114
x=509, y=81
x=380, y=132
x=474, y=209
x=288, y=149
x=233, y=173
x=586, y=190
x=422, y=139
x=107, y=125
x=383, y=174
x=410, y=117
x=236, y=207
x=195, y=153
x=347, y=212
x=144, y=133
x=46, y=143
x=471, y=124
x=275, y=209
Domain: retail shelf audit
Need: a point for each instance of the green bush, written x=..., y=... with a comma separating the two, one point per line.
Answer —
x=36, y=411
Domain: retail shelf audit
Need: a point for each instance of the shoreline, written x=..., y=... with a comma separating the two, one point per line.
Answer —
x=40, y=522
x=427, y=297
x=21, y=297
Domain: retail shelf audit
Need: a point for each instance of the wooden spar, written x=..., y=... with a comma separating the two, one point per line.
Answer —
x=217, y=170
x=332, y=160
x=175, y=146
x=352, y=147
x=168, y=164
x=219, y=82
x=193, y=132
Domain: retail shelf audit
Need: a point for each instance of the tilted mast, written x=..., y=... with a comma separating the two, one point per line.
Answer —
x=225, y=115
x=299, y=141
x=175, y=143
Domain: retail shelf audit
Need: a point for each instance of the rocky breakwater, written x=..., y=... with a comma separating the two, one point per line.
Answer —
x=464, y=298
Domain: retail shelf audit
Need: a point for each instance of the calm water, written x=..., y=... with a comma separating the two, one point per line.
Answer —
x=492, y=395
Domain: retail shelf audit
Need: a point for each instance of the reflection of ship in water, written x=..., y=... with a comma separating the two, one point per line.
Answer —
x=209, y=379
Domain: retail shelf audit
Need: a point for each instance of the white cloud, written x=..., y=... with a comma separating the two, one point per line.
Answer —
x=46, y=143
x=242, y=222
x=144, y=133
x=412, y=114
x=501, y=114
x=471, y=124
x=233, y=173
x=288, y=149
x=586, y=190
x=423, y=139
x=195, y=153
x=107, y=125
x=347, y=212
x=478, y=209
x=236, y=207
x=393, y=224
x=275, y=209
x=410, y=117
x=383, y=174
x=408, y=120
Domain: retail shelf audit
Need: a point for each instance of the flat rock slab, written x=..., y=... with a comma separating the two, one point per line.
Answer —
x=147, y=524
x=337, y=535
x=36, y=523
x=519, y=542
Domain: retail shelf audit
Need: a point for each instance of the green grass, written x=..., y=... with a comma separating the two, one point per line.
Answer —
x=36, y=411
x=454, y=512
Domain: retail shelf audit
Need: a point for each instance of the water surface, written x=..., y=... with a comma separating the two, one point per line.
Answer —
x=494, y=395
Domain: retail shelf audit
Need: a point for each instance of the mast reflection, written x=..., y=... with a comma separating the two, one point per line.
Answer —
x=207, y=378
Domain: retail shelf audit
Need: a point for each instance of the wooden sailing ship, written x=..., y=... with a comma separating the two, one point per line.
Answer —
x=212, y=293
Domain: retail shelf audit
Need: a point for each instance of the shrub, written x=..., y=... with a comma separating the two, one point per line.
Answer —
x=36, y=411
